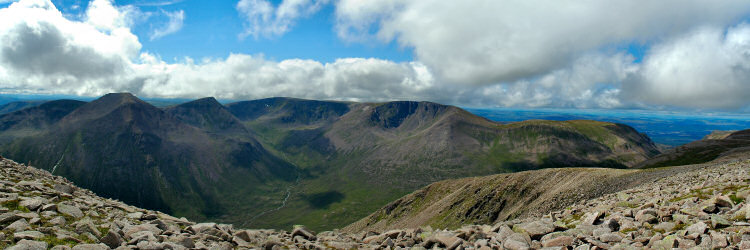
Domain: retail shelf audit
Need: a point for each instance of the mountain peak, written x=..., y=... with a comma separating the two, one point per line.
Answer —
x=106, y=105
x=206, y=102
x=208, y=114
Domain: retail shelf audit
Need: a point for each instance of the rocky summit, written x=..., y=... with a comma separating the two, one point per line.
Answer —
x=702, y=208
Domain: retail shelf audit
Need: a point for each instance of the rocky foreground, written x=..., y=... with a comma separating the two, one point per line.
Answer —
x=704, y=208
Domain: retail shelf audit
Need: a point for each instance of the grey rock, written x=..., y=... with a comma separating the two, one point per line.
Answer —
x=29, y=245
x=304, y=232
x=536, y=229
x=112, y=239
x=28, y=235
x=19, y=225
x=665, y=226
x=559, y=241
x=90, y=247
x=697, y=228
x=722, y=201
x=718, y=240
x=62, y=188
x=593, y=218
x=129, y=231
x=69, y=210
x=515, y=244
x=610, y=237
x=718, y=221
x=88, y=227
x=646, y=215
x=32, y=203
x=8, y=217
x=59, y=220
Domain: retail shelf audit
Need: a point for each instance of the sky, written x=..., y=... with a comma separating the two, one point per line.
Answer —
x=623, y=54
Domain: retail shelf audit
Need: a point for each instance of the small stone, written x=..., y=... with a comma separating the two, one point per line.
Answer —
x=32, y=203
x=59, y=220
x=28, y=235
x=593, y=218
x=112, y=239
x=88, y=227
x=19, y=225
x=69, y=210
x=515, y=244
x=718, y=240
x=612, y=224
x=710, y=208
x=559, y=241
x=62, y=188
x=91, y=247
x=723, y=201
x=183, y=241
x=665, y=226
x=718, y=221
x=29, y=245
x=8, y=217
x=130, y=231
x=304, y=232
x=646, y=215
x=670, y=242
x=610, y=237
x=697, y=228
x=535, y=229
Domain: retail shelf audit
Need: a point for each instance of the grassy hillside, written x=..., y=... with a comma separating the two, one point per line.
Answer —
x=702, y=151
x=451, y=204
x=397, y=147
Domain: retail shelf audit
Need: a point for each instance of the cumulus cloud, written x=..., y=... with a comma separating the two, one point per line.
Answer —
x=485, y=42
x=262, y=18
x=706, y=68
x=689, y=65
x=176, y=20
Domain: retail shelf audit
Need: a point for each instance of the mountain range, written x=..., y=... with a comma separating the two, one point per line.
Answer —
x=275, y=162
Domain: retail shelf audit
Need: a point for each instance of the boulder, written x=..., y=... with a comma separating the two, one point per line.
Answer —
x=29, y=245
x=69, y=210
x=112, y=239
x=697, y=228
x=304, y=232
x=32, y=203
x=90, y=247
x=28, y=235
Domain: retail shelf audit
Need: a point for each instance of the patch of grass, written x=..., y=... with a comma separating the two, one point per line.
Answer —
x=15, y=205
x=103, y=230
x=679, y=226
x=54, y=241
x=735, y=199
x=628, y=230
x=693, y=193
x=627, y=204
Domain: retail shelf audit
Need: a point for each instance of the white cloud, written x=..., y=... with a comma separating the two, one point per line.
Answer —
x=176, y=20
x=491, y=41
x=707, y=68
x=103, y=15
x=43, y=51
x=262, y=18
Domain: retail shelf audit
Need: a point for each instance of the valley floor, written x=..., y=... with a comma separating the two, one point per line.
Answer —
x=700, y=206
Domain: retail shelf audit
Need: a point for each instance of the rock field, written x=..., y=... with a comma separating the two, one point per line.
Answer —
x=703, y=208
